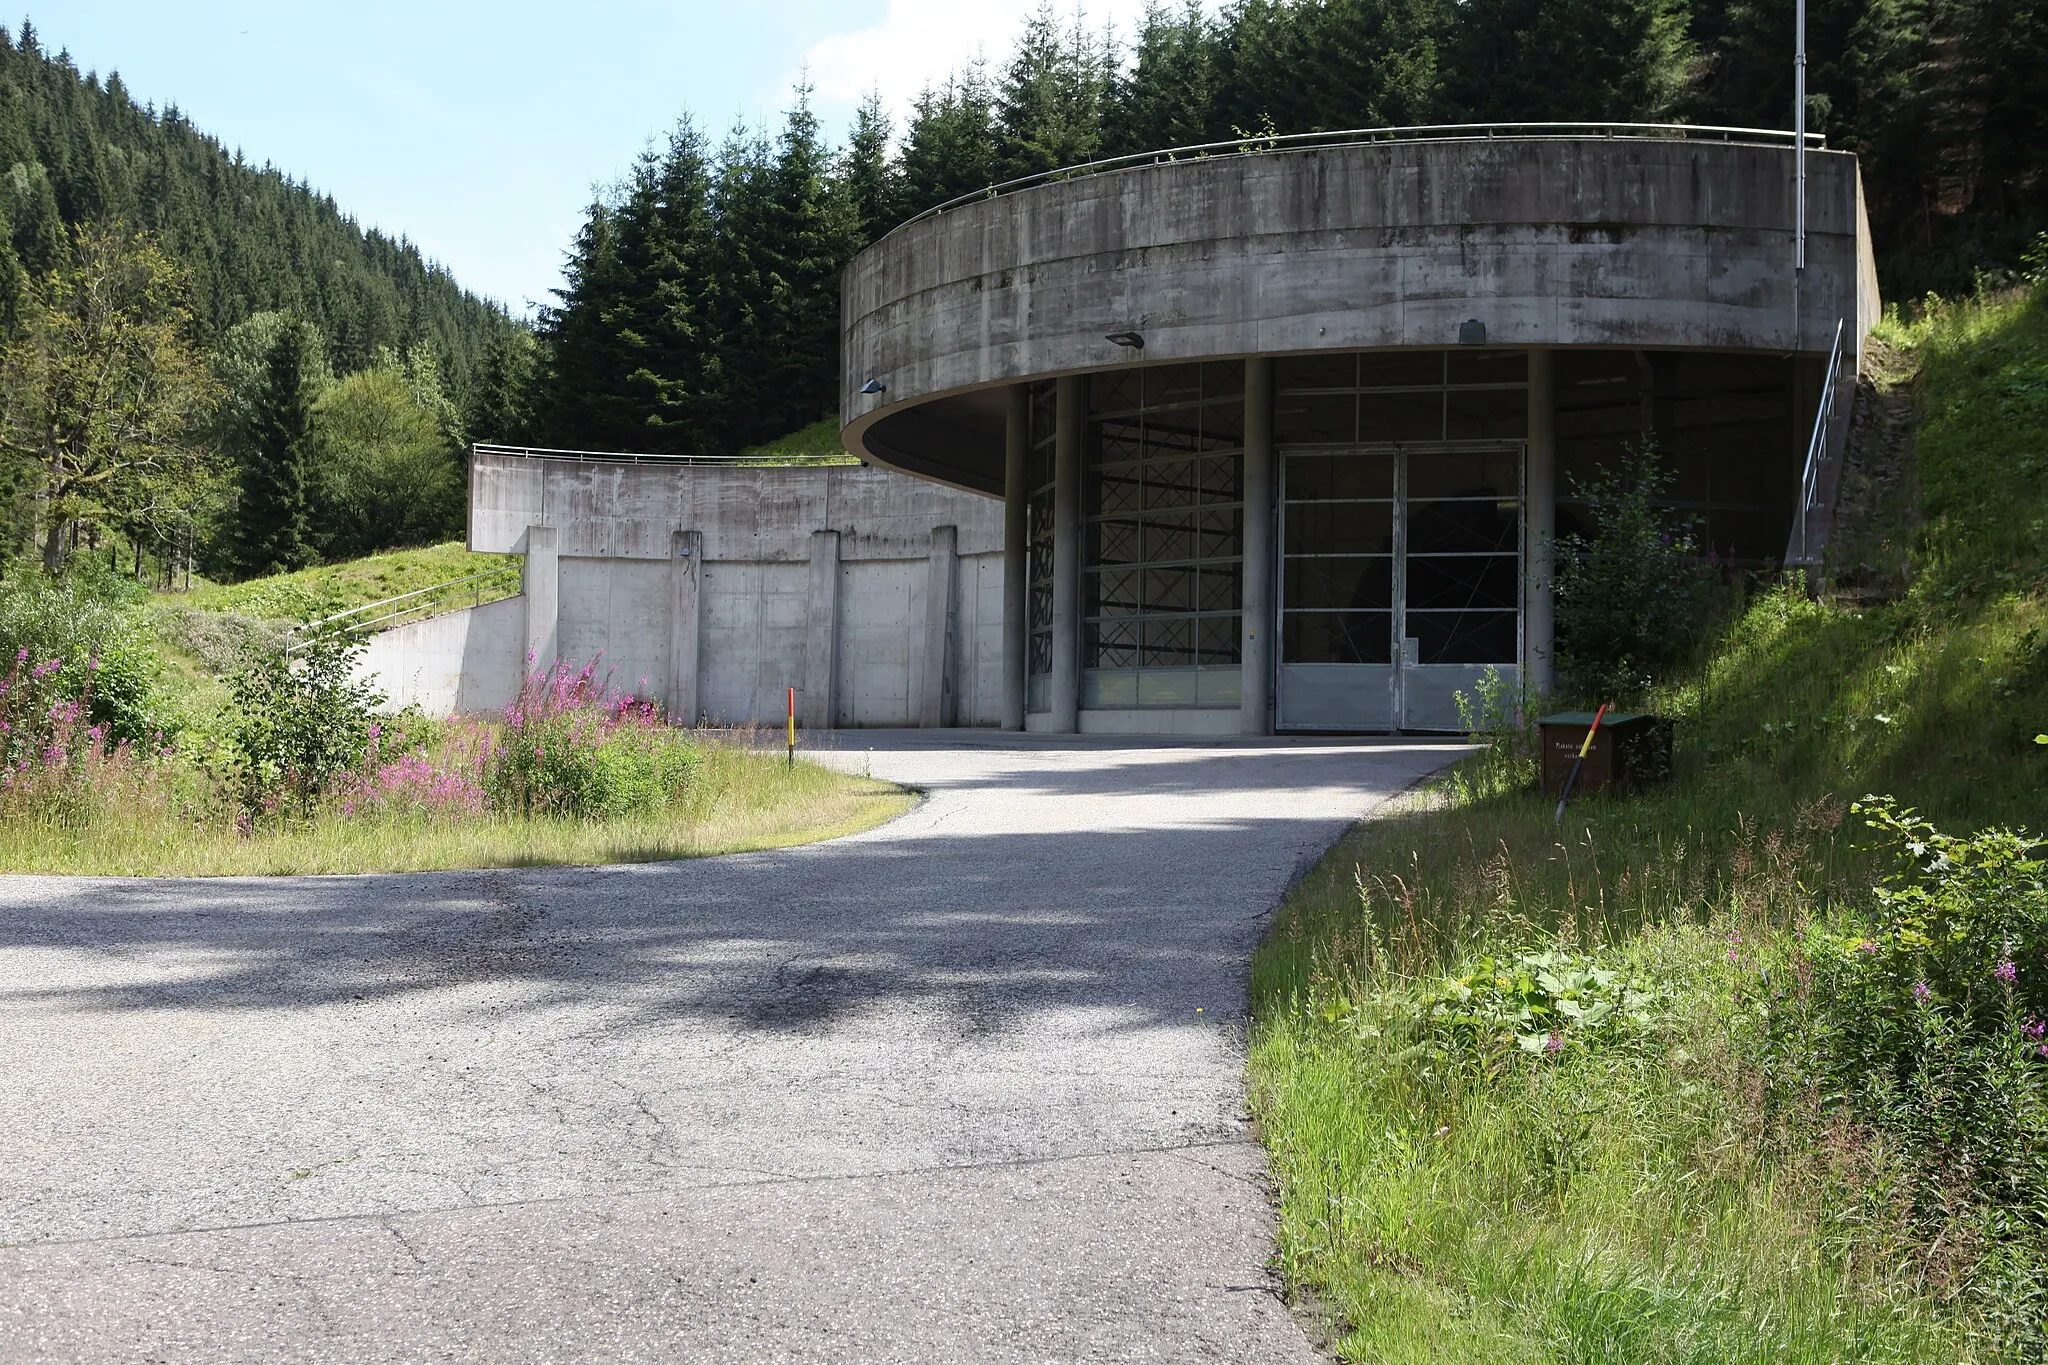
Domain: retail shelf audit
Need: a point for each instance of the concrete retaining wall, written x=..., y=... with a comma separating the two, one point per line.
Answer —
x=877, y=597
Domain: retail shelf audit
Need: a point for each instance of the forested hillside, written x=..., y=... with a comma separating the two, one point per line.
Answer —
x=699, y=309
x=75, y=149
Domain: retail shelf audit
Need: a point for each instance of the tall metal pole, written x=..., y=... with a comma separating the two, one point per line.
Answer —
x=1799, y=139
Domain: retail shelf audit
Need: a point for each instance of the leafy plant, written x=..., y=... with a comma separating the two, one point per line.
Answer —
x=570, y=746
x=1629, y=597
x=91, y=648
x=299, y=722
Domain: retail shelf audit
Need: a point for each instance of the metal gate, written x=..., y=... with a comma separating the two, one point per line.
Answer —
x=1400, y=584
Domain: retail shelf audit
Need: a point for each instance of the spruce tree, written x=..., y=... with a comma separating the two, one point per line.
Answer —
x=865, y=173
x=950, y=147
x=1168, y=97
x=1566, y=60
x=1049, y=113
x=273, y=533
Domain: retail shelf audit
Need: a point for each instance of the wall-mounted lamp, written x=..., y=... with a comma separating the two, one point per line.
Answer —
x=874, y=386
x=1472, y=332
x=1130, y=341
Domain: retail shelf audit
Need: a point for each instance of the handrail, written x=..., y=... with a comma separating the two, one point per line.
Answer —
x=1809, y=480
x=644, y=457
x=429, y=601
x=1255, y=144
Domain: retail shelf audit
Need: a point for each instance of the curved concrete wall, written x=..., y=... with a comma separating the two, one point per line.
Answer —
x=1584, y=241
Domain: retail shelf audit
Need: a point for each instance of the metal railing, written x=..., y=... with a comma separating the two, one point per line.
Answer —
x=492, y=585
x=1816, y=449
x=639, y=457
x=1258, y=144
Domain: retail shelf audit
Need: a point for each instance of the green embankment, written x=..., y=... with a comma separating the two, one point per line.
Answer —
x=1657, y=1199
x=341, y=586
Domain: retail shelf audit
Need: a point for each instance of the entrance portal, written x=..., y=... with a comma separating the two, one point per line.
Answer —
x=1401, y=582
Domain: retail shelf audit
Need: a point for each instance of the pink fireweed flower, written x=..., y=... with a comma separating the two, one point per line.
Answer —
x=1922, y=992
x=1555, y=1044
x=2006, y=972
x=44, y=670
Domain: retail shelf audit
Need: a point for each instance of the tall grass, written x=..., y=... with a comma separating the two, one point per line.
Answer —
x=1668, y=1191
x=151, y=821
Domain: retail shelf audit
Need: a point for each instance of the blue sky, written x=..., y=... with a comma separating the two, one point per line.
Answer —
x=479, y=129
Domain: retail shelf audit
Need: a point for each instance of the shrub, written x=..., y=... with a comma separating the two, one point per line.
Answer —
x=570, y=746
x=1629, y=598
x=299, y=723
x=1927, y=1014
x=98, y=645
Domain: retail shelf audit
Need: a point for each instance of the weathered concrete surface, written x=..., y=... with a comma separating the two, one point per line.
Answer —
x=964, y=1088
x=1548, y=241
x=465, y=660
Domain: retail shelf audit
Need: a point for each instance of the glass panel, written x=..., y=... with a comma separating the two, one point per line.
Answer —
x=1216, y=639
x=1463, y=637
x=1401, y=369
x=1222, y=590
x=1172, y=384
x=1110, y=644
x=1169, y=642
x=1220, y=534
x=1173, y=688
x=1169, y=590
x=1321, y=478
x=1461, y=581
x=1114, y=390
x=1340, y=582
x=1488, y=367
x=1219, y=687
x=1174, y=431
x=1339, y=637
x=1170, y=483
x=1487, y=414
x=1219, y=476
x=1115, y=592
x=1463, y=528
x=1331, y=371
x=1315, y=419
x=1344, y=528
x=1221, y=378
x=1223, y=425
x=1116, y=542
x=1401, y=416
x=1169, y=537
x=1102, y=688
x=1464, y=474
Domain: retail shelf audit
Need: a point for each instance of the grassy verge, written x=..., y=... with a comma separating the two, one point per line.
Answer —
x=738, y=801
x=1677, y=1184
x=339, y=587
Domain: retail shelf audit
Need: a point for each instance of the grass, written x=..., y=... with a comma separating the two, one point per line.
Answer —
x=338, y=587
x=817, y=443
x=742, y=800
x=1648, y=1200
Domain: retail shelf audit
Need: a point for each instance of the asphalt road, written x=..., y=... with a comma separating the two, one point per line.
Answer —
x=964, y=1088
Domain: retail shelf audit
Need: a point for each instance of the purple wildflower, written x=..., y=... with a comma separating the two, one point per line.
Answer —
x=1922, y=992
x=1555, y=1044
x=2006, y=972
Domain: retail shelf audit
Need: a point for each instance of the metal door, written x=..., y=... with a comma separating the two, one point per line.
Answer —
x=1400, y=583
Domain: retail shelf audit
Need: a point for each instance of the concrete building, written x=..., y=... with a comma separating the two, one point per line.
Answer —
x=1284, y=437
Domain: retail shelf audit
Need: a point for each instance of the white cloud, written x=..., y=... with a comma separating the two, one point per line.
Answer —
x=918, y=42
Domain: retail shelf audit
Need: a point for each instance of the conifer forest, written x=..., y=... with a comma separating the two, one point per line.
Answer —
x=302, y=389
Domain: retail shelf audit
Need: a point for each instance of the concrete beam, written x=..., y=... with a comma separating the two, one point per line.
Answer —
x=820, y=706
x=543, y=592
x=1539, y=525
x=685, y=579
x=1016, y=548
x=936, y=700
x=1070, y=425
x=1258, y=624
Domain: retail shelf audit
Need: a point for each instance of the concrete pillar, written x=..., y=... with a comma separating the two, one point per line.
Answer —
x=1070, y=427
x=1539, y=522
x=942, y=569
x=819, y=707
x=1260, y=623
x=1016, y=552
x=685, y=577
x=543, y=591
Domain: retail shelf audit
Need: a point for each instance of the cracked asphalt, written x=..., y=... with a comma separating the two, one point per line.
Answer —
x=967, y=1087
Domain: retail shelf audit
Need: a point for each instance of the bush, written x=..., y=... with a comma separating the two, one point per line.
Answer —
x=572, y=747
x=1628, y=599
x=1927, y=1014
x=299, y=723
x=97, y=644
